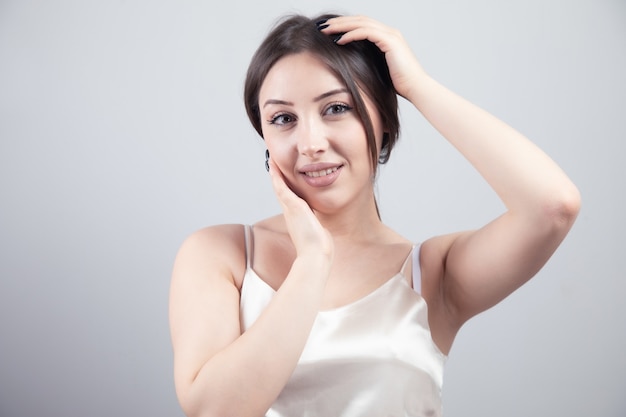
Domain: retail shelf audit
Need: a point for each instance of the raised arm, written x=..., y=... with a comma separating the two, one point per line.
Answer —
x=219, y=371
x=475, y=270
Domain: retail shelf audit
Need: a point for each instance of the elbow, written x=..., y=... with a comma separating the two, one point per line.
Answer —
x=206, y=398
x=211, y=408
x=193, y=407
x=562, y=208
x=193, y=410
x=204, y=409
x=190, y=409
x=198, y=400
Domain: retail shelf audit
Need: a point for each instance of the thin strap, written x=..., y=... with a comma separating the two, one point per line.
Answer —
x=406, y=261
x=249, y=242
x=417, y=273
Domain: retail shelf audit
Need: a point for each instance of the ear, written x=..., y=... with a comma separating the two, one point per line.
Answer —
x=383, y=154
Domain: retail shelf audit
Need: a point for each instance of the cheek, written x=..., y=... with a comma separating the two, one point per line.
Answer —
x=280, y=152
x=357, y=139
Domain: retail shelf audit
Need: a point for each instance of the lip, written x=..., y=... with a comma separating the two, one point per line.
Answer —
x=323, y=180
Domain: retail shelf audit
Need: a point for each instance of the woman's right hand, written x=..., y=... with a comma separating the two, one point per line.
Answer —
x=216, y=365
x=307, y=233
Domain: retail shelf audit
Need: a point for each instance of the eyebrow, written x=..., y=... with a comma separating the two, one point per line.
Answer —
x=316, y=99
x=330, y=93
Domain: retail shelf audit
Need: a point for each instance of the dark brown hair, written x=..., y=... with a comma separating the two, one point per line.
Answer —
x=359, y=64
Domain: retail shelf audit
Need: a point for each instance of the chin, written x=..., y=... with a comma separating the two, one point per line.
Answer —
x=326, y=205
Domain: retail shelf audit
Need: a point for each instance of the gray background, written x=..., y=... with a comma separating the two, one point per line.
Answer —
x=122, y=130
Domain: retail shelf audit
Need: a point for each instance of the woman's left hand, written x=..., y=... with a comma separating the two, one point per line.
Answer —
x=477, y=269
x=404, y=68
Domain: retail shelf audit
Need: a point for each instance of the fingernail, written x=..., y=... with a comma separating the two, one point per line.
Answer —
x=336, y=39
x=322, y=27
x=320, y=22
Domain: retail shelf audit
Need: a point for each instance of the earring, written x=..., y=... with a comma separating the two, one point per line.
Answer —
x=267, y=160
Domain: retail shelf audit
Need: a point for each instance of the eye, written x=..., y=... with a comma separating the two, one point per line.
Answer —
x=281, y=119
x=337, y=108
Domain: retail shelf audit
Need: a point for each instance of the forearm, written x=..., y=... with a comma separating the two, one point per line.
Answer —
x=523, y=176
x=245, y=378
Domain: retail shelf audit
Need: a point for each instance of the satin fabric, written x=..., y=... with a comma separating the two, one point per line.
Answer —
x=372, y=357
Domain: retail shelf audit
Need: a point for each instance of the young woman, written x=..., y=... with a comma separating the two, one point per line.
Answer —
x=323, y=310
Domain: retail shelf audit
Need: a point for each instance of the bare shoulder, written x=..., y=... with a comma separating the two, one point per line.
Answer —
x=433, y=255
x=214, y=248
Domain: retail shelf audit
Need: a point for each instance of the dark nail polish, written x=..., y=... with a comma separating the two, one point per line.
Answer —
x=336, y=39
x=322, y=27
x=320, y=22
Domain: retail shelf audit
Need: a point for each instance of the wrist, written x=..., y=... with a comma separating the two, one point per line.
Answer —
x=317, y=262
x=422, y=88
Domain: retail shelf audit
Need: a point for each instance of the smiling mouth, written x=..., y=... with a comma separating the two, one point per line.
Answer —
x=321, y=173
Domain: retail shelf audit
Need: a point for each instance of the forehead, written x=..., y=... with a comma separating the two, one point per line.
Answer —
x=298, y=75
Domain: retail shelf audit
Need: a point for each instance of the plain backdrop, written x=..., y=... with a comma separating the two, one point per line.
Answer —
x=122, y=130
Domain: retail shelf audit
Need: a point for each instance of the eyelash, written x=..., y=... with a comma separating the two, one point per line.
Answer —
x=274, y=119
x=342, y=106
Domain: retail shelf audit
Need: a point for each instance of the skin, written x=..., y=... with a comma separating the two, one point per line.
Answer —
x=321, y=239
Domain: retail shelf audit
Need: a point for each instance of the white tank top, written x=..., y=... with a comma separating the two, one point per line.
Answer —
x=373, y=357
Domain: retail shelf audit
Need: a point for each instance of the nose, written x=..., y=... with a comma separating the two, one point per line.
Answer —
x=312, y=140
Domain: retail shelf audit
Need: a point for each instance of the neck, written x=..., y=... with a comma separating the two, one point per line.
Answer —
x=358, y=222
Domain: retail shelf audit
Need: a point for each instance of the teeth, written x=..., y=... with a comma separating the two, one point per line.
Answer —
x=321, y=173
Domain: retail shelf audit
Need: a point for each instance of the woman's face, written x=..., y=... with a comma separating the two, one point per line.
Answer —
x=313, y=134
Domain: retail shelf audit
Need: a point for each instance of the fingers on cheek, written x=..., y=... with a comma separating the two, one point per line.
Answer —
x=279, y=186
x=282, y=196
